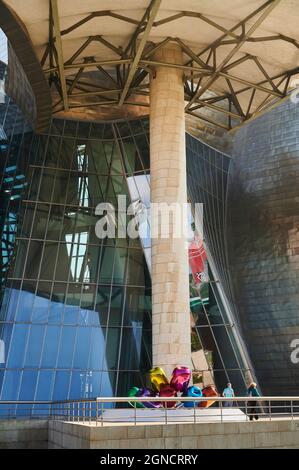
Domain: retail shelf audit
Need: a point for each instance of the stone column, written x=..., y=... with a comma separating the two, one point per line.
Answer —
x=170, y=282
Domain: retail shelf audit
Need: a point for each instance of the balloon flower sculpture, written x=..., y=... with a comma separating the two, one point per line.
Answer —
x=176, y=387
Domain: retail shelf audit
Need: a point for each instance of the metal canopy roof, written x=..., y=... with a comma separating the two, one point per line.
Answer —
x=100, y=52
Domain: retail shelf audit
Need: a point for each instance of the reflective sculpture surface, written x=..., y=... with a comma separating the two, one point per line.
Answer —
x=180, y=379
x=192, y=391
x=133, y=393
x=177, y=387
x=158, y=378
x=209, y=391
x=147, y=392
x=168, y=391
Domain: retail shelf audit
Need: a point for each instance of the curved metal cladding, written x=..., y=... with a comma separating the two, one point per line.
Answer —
x=264, y=243
x=207, y=178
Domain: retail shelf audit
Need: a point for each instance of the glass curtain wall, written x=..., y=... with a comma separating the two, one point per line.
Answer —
x=76, y=310
x=75, y=318
x=213, y=331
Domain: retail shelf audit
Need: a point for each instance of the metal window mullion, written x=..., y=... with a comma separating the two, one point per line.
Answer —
x=105, y=338
x=120, y=338
x=240, y=368
x=33, y=218
x=215, y=341
x=45, y=235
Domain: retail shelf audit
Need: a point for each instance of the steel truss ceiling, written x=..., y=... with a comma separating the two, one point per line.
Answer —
x=128, y=74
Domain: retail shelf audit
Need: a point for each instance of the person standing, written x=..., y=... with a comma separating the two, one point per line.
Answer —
x=253, y=405
x=228, y=392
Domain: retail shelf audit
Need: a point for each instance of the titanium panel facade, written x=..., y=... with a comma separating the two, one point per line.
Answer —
x=264, y=243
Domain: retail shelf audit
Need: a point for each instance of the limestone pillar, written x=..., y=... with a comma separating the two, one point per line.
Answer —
x=170, y=282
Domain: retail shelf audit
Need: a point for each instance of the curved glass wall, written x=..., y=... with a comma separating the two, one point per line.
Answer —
x=75, y=316
x=214, y=328
x=76, y=310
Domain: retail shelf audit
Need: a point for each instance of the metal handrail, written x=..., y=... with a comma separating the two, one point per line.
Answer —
x=97, y=410
x=151, y=399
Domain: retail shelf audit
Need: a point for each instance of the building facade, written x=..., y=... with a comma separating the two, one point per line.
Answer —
x=263, y=244
x=80, y=125
x=76, y=309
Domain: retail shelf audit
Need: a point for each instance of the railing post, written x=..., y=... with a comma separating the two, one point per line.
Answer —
x=194, y=410
x=246, y=411
x=292, y=410
x=221, y=412
x=165, y=406
x=270, y=410
x=102, y=414
x=97, y=412
x=135, y=413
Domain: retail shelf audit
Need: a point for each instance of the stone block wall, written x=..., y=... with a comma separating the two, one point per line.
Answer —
x=41, y=434
x=23, y=434
x=255, y=435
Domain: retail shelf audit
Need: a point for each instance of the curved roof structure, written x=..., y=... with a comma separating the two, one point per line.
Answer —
x=239, y=57
x=26, y=56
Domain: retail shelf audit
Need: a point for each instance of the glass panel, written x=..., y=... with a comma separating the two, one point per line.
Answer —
x=84, y=385
x=20, y=258
x=44, y=385
x=136, y=307
x=51, y=345
x=17, y=346
x=11, y=382
x=34, y=346
x=48, y=260
x=40, y=311
x=108, y=385
x=116, y=306
x=8, y=311
x=143, y=148
x=132, y=160
x=97, y=349
x=67, y=341
x=55, y=223
x=131, y=348
x=107, y=264
x=28, y=385
x=126, y=379
x=102, y=303
x=112, y=348
x=136, y=268
x=120, y=258
x=61, y=385
x=225, y=347
x=5, y=337
x=82, y=348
